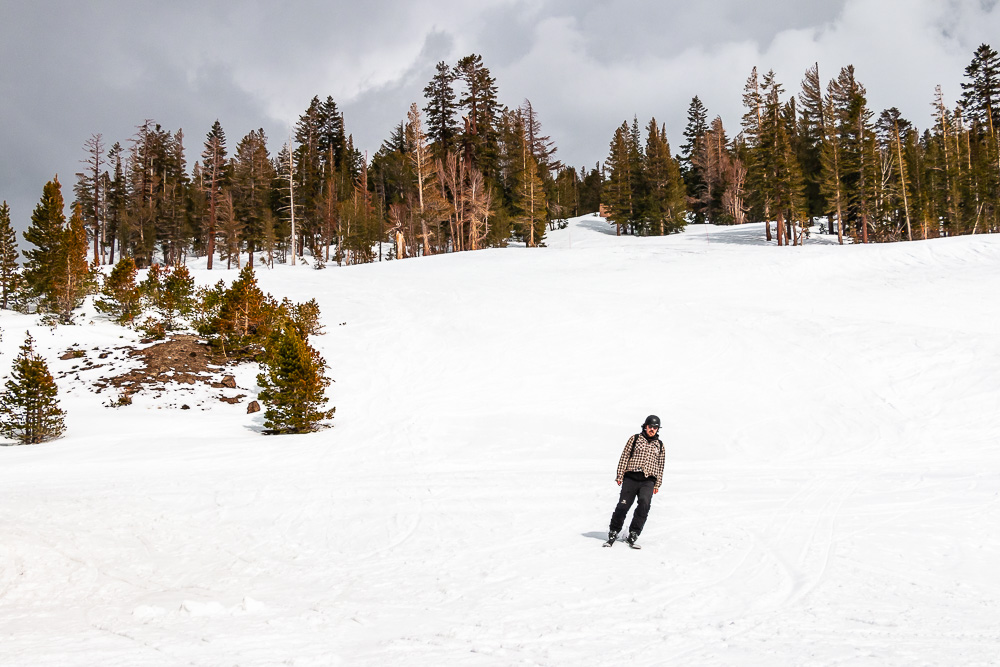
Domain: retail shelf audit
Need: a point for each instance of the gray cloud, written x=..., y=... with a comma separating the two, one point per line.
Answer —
x=71, y=69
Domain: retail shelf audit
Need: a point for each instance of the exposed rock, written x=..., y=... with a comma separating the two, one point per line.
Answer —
x=253, y=407
x=229, y=382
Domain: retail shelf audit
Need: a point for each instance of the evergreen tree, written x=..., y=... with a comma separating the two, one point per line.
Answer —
x=981, y=105
x=116, y=197
x=29, y=407
x=479, y=139
x=697, y=126
x=74, y=279
x=293, y=385
x=981, y=94
x=46, y=233
x=892, y=130
x=756, y=178
x=429, y=205
x=711, y=160
x=10, y=274
x=530, y=201
x=240, y=327
x=618, y=188
x=90, y=194
x=777, y=159
x=121, y=297
x=812, y=126
x=665, y=205
x=252, y=188
x=214, y=175
x=440, y=110
x=591, y=189
x=176, y=296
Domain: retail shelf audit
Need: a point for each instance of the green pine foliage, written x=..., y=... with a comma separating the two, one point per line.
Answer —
x=29, y=407
x=10, y=274
x=665, y=204
x=244, y=319
x=56, y=273
x=74, y=276
x=120, y=296
x=618, y=188
x=530, y=202
x=440, y=110
x=458, y=180
x=293, y=385
x=176, y=297
x=46, y=233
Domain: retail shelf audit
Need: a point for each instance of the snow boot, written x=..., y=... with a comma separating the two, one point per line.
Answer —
x=612, y=536
x=632, y=540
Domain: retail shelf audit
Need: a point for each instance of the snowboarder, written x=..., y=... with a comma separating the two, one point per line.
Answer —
x=640, y=473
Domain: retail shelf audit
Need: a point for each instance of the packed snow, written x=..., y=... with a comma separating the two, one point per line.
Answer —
x=831, y=496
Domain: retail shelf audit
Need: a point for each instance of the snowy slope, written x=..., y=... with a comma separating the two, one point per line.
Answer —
x=831, y=417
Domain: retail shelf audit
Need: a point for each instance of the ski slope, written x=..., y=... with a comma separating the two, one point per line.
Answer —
x=831, y=497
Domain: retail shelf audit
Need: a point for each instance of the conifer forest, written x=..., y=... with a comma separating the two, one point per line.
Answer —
x=463, y=171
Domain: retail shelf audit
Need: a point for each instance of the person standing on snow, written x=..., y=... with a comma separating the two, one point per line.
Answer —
x=640, y=473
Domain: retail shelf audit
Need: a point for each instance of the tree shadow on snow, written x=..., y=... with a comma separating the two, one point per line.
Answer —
x=597, y=224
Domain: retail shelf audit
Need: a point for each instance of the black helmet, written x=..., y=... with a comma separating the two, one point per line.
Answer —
x=652, y=420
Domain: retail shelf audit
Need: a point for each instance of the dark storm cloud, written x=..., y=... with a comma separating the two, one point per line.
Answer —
x=70, y=69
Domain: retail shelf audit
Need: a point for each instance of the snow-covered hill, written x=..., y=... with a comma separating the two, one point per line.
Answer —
x=832, y=490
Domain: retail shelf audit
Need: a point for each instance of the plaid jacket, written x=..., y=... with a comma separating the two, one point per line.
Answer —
x=648, y=458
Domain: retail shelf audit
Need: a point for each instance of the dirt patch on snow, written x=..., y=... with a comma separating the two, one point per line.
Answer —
x=183, y=359
x=167, y=371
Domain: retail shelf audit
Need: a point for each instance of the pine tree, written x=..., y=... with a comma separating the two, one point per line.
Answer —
x=29, y=408
x=117, y=202
x=618, y=188
x=892, y=129
x=74, y=279
x=812, y=124
x=981, y=94
x=244, y=312
x=214, y=175
x=252, y=189
x=530, y=201
x=981, y=105
x=430, y=207
x=756, y=178
x=777, y=159
x=90, y=194
x=121, y=297
x=440, y=110
x=10, y=274
x=479, y=138
x=697, y=126
x=711, y=160
x=665, y=205
x=176, y=296
x=46, y=234
x=293, y=384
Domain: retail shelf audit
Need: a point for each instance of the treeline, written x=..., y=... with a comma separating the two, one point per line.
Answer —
x=824, y=153
x=463, y=173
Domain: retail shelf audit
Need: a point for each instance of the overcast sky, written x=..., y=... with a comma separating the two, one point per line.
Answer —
x=71, y=69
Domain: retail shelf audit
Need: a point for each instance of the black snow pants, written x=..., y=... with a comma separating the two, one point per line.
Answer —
x=632, y=488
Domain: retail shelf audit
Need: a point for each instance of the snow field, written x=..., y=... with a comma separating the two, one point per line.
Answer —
x=831, y=491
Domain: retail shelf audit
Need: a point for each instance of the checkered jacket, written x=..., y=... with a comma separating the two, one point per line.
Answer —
x=648, y=458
